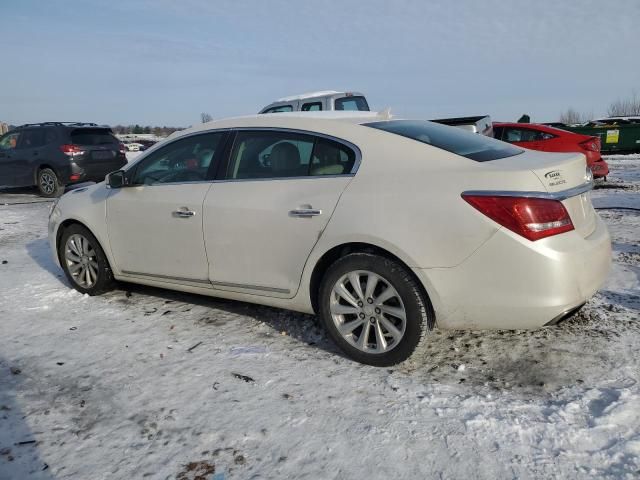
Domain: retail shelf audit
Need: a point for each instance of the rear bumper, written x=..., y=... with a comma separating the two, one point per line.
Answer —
x=512, y=283
x=600, y=168
x=91, y=171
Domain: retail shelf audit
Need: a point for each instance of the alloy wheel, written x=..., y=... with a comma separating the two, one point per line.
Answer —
x=47, y=183
x=368, y=311
x=81, y=260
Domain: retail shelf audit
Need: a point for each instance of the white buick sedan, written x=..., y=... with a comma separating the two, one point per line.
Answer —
x=384, y=228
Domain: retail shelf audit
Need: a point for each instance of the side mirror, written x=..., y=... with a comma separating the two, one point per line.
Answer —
x=116, y=179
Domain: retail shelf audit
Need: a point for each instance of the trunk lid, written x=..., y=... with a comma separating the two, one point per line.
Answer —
x=558, y=172
x=99, y=144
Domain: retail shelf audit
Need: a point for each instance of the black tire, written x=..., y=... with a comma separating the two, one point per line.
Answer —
x=418, y=310
x=48, y=183
x=104, y=281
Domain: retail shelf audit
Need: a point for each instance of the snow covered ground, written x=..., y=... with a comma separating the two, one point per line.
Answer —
x=146, y=383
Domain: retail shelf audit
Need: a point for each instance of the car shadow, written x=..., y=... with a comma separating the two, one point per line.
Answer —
x=40, y=252
x=531, y=362
x=300, y=327
x=19, y=453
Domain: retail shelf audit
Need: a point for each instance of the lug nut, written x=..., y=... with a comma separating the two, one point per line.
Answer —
x=360, y=304
x=362, y=315
x=378, y=311
x=369, y=300
x=372, y=319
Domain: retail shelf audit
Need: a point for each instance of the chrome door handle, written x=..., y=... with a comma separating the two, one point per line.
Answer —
x=305, y=212
x=184, y=213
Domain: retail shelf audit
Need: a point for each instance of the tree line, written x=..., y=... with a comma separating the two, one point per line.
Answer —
x=622, y=107
x=140, y=129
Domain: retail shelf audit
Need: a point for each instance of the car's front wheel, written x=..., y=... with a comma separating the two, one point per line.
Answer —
x=48, y=183
x=374, y=309
x=84, y=261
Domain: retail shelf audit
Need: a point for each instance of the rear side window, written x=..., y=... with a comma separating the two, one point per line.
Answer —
x=331, y=158
x=351, y=103
x=312, y=107
x=526, y=135
x=32, y=138
x=281, y=108
x=269, y=155
x=452, y=139
x=92, y=136
x=50, y=136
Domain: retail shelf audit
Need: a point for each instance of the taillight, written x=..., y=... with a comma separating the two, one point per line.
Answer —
x=533, y=218
x=592, y=144
x=71, y=150
x=123, y=149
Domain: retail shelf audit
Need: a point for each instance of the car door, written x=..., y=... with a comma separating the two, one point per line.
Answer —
x=10, y=156
x=155, y=222
x=269, y=206
x=29, y=149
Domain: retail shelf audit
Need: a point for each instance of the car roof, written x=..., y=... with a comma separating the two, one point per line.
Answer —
x=312, y=121
x=320, y=93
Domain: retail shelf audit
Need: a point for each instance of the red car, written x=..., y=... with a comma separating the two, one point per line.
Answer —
x=548, y=139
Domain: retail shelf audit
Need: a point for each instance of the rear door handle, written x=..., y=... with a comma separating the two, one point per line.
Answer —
x=184, y=213
x=305, y=212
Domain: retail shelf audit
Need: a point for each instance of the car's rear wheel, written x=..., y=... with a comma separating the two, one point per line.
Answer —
x=84, y=261
x=48, y=183
x=374, y=309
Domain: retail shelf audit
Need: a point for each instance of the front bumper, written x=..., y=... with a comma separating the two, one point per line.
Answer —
x=512, y=283
x=54, y=224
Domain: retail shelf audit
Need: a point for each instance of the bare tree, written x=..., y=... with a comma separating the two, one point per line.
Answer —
x=571, y=116
x=205, y=117
x=625, y=107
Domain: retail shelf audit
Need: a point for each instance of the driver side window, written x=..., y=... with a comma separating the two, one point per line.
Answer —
x=182, y=161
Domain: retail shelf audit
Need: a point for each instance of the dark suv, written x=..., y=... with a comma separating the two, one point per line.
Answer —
x=55, y=154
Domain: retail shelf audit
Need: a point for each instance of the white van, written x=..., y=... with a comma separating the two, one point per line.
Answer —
x=319, y=101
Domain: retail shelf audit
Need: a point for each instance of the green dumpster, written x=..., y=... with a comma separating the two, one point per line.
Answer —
x=616, y=135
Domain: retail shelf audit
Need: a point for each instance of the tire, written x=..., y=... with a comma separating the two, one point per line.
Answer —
x=48, y=183
x=80, y=251
x=394, y=337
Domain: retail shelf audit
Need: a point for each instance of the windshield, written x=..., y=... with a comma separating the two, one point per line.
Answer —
x=452, y=139
x=92, y=136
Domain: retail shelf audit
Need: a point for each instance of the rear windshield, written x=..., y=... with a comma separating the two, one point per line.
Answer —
x=351, y=103
x=452, y=139
x=92, y=136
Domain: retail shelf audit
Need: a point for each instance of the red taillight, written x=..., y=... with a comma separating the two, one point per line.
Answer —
x=533, y=218
x=74, y=177
x=592, y=144
x=123, y=149
x=71, y=150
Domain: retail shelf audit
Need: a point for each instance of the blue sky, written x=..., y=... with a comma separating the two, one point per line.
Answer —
x=164, y=62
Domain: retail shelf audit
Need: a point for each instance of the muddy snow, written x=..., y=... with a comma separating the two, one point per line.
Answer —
x=148, y=383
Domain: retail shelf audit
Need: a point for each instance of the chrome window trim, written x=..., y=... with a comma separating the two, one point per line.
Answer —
x=561, y=195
